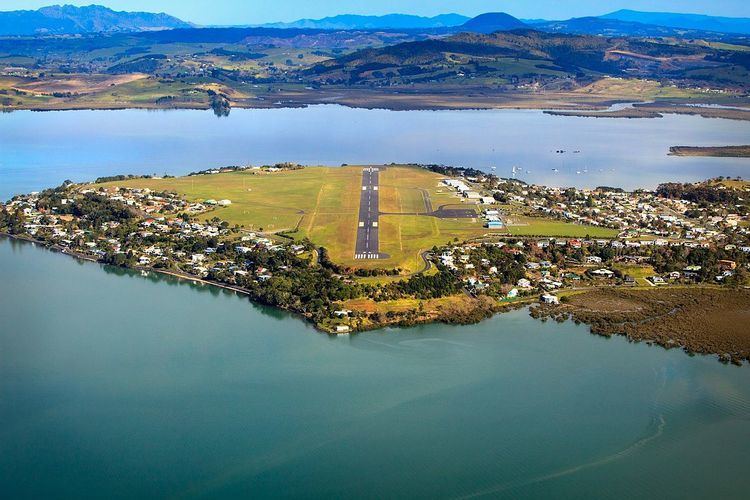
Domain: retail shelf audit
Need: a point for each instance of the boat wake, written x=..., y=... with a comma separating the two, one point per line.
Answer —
x=659, y=430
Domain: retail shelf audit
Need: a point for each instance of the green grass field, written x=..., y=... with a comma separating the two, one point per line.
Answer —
x=532, y=226
x=322, y=203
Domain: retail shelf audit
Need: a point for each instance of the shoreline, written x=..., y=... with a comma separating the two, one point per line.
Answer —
x=597, y=322
x=554, y=105
x=181, y=275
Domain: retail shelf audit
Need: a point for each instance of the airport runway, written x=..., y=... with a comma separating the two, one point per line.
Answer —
x=367, y=230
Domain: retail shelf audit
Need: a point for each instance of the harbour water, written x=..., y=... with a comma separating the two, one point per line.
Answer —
x=39, y=150
x=115, y=385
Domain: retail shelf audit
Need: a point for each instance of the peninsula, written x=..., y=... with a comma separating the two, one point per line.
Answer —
x=353, y=248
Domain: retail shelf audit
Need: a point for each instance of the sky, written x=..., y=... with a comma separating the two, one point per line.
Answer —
x=263, y=11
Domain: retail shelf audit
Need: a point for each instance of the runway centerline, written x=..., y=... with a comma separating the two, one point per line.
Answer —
x=367, y=246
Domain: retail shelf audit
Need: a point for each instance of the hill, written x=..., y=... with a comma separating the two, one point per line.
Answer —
x=685, y=21
x=529, y=57
x=616, y=27
x=70, y=20
x=491, y=22
x=390, y=21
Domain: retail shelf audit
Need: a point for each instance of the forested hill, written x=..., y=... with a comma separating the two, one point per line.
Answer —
x=530, y=55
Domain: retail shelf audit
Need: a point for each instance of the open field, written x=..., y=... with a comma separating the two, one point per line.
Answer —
x=732, y=183
x=451, y=309
x=639, y=273
x=533, y=226
x=322, y=203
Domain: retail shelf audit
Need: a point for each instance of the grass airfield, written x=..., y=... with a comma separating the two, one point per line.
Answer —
x=322, y=204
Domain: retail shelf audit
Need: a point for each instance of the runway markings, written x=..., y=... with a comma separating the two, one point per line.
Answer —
x=367, y=246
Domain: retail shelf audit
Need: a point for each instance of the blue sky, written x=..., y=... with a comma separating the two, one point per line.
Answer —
x=261, y=11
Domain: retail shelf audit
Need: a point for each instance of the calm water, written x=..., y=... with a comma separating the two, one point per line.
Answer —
x=40, y=150
x=116, y=385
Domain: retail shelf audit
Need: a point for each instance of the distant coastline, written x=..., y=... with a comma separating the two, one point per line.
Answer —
x=719, y=152
x=423, y=99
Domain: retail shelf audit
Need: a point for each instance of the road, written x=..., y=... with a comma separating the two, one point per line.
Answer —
x=367, y=230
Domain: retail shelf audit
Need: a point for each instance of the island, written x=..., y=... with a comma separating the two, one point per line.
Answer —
x=715, y=151
x=359, y=247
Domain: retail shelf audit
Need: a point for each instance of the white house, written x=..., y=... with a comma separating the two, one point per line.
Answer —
x=550, y=299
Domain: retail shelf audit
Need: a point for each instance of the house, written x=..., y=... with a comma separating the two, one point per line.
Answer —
x=224, y=203
x=494, y=224
x=342, y=329
x=487, y=200
x=603, y=273
x=512, y=294
x=727, y=265
x=692, y=271
x=342, y=313
x=472, y=195
x=656, y=280
x=593, y=259
x=524, y=283
x=549, y=299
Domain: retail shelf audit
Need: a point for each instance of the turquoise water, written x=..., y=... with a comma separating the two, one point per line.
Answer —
x=117, y=385
x=39, y=150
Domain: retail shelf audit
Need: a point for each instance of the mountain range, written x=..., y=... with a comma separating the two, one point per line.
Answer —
x=717, y=24
x=390, y=21
x=70, y=20
x=619, y=23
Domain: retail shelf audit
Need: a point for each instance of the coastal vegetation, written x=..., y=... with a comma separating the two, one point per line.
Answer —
x=698, y=320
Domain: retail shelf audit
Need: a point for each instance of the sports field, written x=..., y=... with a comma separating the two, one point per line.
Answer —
x=322, y=203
